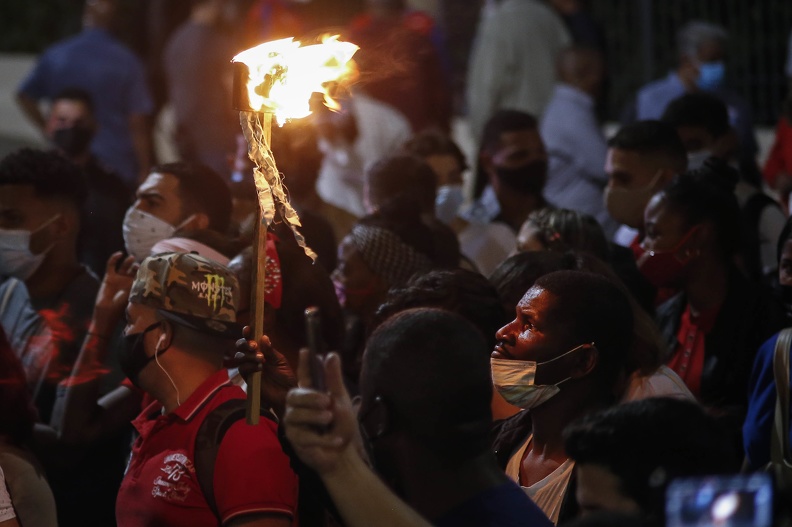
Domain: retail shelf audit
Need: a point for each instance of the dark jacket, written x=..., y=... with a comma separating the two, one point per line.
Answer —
x=747, y=318
x=507, y=436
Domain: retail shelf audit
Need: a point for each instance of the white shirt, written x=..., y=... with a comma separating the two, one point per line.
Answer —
x=6, y=508
x=548, y=493
x=512, y=64
x=382, y=131
x=487, y=244
x=662, y=383
x=576, y=150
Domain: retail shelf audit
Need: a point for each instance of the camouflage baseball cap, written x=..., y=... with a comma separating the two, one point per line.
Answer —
x=190, y=290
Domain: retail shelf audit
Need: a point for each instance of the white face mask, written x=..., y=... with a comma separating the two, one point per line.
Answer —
x=514, y=380
x=16, y=258
x=449, y=199
x=143, y=230
x=696, y=159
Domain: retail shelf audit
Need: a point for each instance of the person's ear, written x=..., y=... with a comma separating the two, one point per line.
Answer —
x=165, y=338
x=66, y=224
x=376, y=421
x=585, y=361
x=197, y=222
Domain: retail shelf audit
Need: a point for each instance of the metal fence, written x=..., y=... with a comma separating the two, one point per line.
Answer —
x=640, y=36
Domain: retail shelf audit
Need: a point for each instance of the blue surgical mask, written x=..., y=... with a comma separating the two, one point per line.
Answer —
x=711, y=75
x=449, y=199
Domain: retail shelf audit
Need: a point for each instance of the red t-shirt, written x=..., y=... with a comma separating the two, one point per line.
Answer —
x=160, y=487
x=688, y=359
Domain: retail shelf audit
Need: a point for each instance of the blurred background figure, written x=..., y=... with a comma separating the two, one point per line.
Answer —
x=351, y=141
x=95, y=61
x=701, y=66
x=777, y=170
x=512, y=64
x=197, y=67
x=702, y=123
x=71, y=125
x=402, y=62
x=447, y=161
x=24, y=476
x=296, y=149
x=576, y=146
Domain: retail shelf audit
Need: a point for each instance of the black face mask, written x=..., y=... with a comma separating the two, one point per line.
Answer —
x=525, y=179
x=73, y=141
x=132, y=356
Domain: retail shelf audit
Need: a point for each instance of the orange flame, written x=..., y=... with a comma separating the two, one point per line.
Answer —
x=294, y=73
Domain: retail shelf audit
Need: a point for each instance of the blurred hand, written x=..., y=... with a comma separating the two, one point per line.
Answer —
x=113, y=295
x=276, y=375
x=322, y=427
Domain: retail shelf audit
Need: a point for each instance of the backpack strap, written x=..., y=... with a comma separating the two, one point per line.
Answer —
x=207, y=444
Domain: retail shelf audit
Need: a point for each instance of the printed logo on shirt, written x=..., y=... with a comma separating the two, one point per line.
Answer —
x=173, y=484
x=213, y=290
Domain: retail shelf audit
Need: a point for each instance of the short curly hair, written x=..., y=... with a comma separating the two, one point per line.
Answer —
x=51, y=175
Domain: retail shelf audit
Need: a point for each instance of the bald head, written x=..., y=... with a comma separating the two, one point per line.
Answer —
x=583, y=68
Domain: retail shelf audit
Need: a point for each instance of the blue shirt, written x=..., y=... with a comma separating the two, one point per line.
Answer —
x=576, y=150
x=761, y=406
x=654, y=97
x=96, y=62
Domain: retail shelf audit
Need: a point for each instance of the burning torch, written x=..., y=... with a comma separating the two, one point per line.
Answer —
x=277, y=79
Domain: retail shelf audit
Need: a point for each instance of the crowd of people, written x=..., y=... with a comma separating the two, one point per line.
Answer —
x=590, y=321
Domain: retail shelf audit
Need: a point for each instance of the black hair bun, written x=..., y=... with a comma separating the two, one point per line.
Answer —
x=716, y=172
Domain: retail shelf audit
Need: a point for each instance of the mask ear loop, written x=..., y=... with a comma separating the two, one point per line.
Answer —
x=156, y=359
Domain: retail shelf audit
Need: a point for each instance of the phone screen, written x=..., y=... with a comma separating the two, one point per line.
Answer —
x=313, y=327
x=744, y=500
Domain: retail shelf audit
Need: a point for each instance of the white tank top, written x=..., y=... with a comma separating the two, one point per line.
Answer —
x=548, y=493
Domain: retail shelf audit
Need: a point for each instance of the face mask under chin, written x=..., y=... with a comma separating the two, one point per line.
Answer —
x=515, y=380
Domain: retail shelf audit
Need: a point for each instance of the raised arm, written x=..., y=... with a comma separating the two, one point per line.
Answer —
x=79, y=415
x=360, y=496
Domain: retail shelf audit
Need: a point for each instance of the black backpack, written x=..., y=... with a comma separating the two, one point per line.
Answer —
x=315, y=506
x=207, y=444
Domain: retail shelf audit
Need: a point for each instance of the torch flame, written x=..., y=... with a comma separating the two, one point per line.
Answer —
x=284, y=74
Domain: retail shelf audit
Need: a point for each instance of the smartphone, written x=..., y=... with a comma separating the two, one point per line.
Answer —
x=313, y=329
x=742, y=500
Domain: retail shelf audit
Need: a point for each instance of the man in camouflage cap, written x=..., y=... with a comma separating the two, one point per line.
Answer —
x=181, y=321
x=189, y=290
